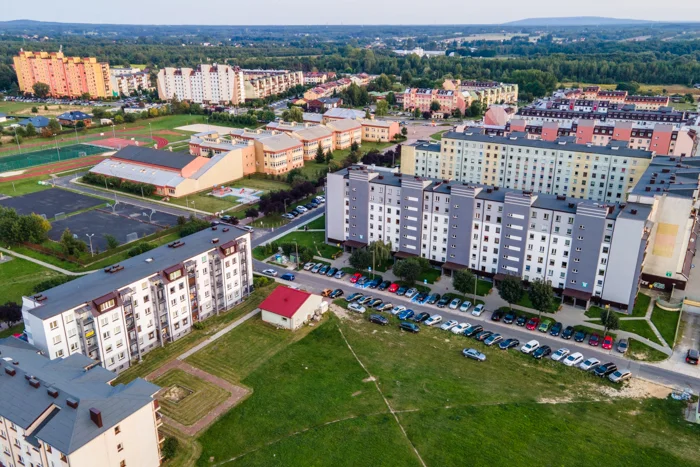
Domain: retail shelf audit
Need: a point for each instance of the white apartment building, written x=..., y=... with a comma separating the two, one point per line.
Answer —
x=127, y=81
x=205, y=84
x=117, y=315
x=66, y=413
x=260, y=84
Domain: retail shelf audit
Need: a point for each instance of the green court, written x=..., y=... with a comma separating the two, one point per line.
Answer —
x=48, y=156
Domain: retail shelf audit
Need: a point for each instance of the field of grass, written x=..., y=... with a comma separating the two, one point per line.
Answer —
x=654, y=88
x=258, y=183
x=16, y=329
x=644, y=353
x=438, y=135
x=316, y=224
x=639, y=311
x=431, y=276
x=18, y=277
x=640, y=327
x=203, y=398
x=313, y=240
x=666, y=323
x=204, y=202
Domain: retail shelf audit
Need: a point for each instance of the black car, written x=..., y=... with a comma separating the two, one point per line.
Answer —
x=434, y=298
x=378, y=319
x=410, y=327
x=580, y=336
x=420, y=297
x=309, y=206
x=568, y=333
x=336, y=293
x=556, y=329
x=384, y=285
x=331, y=272
x=521, y=320
x=605, y=370
x=374, y=284
x=542, y=352
x=692, y=357
x=228, y=219
x=420, y=317
x=483, y=335
x=294, y=213
x=496, y=315
x=509, y=344
x=509, y=318
x=443, y=302
x=472, y=330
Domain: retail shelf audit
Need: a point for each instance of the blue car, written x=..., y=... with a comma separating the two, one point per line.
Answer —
x=427, y=299
x=402, y=291
x=406, y=314
x=287, y=276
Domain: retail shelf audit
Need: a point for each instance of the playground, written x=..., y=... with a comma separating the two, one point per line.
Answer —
x=243, y=195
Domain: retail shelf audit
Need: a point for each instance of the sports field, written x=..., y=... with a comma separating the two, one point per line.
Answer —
x=47, y=156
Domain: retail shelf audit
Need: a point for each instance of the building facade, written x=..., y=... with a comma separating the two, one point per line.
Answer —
x=379, y=131
x=55, y=413
x=260, y=84
x=117, y=315
x=486, y=92
x=65, y=76
x=205, y=84
x=421, y=99
x=129, y=81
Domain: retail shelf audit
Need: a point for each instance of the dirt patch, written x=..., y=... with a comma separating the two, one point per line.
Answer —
x=356, y=393
x=176, y=393
x=636, y=389
x=369, y=379
x=555, y=400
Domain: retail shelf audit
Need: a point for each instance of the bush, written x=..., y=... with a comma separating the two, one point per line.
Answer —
x=51, y=283
x=140, y=248
x=260, y=281
x=198, y=325
x=170, y=446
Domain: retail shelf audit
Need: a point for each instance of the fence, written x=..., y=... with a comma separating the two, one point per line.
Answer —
x=48, y=156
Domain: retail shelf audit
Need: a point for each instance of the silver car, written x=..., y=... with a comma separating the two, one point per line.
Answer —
x=474, y=355
x=620, y=376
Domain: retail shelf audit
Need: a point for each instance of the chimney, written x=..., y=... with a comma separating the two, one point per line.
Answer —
x=96, y=417
x=10, y=371
x=53, y=392
x=33, y=382
x=72, y=403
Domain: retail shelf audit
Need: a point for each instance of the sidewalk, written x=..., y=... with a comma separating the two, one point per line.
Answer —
x=42, y=263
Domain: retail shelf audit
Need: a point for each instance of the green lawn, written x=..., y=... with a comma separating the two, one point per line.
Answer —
x=30, y=184
x=438, y=135
x=642, y=352
x=666, y=323
x=639, y=310
x=640, y=327
x=257, y=182
x=313, y=240
x=202, y=398
x=316, y=224
x=204, y=202
x=430, y=276
x=18, y=277
x=16, y=329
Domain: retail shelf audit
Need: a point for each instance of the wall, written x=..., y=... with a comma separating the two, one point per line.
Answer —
x=622, y=274
x=335, y=207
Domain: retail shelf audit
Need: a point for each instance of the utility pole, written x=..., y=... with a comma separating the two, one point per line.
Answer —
x=75, y=127
x=296, y=247
x=114, y=133
x=57, y=151
x=92, y=253
x=17, y=141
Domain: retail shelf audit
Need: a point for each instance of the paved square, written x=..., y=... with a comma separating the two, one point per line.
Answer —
x=51, y=202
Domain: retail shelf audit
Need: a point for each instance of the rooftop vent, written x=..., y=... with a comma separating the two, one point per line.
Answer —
x=571, y=205
x=114, y=268
x=213, y=227
x=149, y=260
x=53, y=392
x=633, y=211
x=10, y=371
x=40, y=297
x=72, y=403
x=215, y=240
x=96, y=417
x=176, y=244
x=561, y=197
x=665, y=171
x=225, y=229
x=33, y=382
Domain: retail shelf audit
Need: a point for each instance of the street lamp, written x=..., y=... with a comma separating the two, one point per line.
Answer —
x=17, y=141
x=193, y=205
x=285, y=205
x=151, y=130
x=57, y=151
x=90, y=237
x=75, y=127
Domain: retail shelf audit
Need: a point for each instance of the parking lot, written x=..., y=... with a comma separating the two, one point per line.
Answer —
x=51, y=202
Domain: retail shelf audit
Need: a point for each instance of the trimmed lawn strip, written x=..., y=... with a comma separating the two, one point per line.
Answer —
x=313, y=240
x=644, y=353
x=640, y=327
x=205, y=396
x=666, y=323
x=316, y=224
x=259, y=182
x=18, y=278
x=639, y=311
x=430, y=276
x=16, y=329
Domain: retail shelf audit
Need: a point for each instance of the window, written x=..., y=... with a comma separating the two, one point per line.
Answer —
x=53, y=325
x=120, y=447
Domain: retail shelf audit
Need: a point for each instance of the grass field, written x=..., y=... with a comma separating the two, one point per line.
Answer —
x=204, y=202
x=654, y=88
x=316, y=224
x=312, y=404
x=260, y=184
x=311, y=168
x=16, y=329
x=640, y=327
x=18, y=277
x=438, y=135
x=430, y=276
x=313, y=240
x=639, y=310
x=203, y=396
x=644, y=353
x=29, y=184
x=666, y=323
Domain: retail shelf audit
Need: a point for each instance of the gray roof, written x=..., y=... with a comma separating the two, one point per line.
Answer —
x=172, y=160
x=65, y=428
x=425, y=145
x=674, y=176
x=614, y=148
x=80, y=291
x=38, y=122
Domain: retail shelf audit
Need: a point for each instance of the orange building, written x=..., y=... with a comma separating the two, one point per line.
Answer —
x=65, y=76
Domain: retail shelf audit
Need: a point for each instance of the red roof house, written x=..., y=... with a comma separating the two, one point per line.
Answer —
x=289, y=308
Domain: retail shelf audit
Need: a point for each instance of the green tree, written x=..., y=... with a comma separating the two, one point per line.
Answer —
x=361, y=259
x=354, y=147
x=404, y=131
x=252, y=212
x=72, y=246
x=320, y=155
x=464, y=281
x=456, y=113
x=329, y=156
x=10, y=313
x=391, y=98
x=410, y=269
x=368, y=115
x=609, y=320
x=41, y=90
x=382, y=108
x=118, y=119
x=29, y=130
x=54, y=126
x=475, y=109
x=112, y=241
x=35, y=110
x=129, y=118
x=434, y=106
x=541, y=296
x=511, y=290
x=293, y=114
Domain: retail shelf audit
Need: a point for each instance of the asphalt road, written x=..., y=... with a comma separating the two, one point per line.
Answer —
x=316, y=283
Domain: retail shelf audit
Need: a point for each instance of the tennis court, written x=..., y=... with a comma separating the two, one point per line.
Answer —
x=48, y=156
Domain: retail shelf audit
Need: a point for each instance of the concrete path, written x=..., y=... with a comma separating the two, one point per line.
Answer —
x=42, y=263
x=219, y=334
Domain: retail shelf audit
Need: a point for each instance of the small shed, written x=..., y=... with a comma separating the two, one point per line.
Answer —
x=290, y=308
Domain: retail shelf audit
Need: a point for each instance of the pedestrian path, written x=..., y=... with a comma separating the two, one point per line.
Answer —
x=42, y=263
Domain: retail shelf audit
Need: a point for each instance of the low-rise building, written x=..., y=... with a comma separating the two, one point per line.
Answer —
x=276, y=153
x=289, y=308
x=323, y=104
x=379, y=131
x=311, y=136
x=73, y=117
x=423, y=98
x=345, y=132
x=486, y=92
x=315, y=77
x=37, y=122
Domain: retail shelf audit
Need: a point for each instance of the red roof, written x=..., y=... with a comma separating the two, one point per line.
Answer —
x=284, y=301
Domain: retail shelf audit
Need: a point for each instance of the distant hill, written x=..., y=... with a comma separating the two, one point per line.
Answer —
x=576, y=21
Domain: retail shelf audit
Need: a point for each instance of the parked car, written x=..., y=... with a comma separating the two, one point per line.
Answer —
x=608, y=343
x=619, y=376
x=270, y=272
x=478, y=310
x=364, y=300
x=447, y=325
x=532, y=324
x=393, y=288
x=356, y=307
x=317, y=267
x=433, y=299
x=497, y=315
x=544, y=325
x=331, y=272
x=406, y=314
x=301, y=209
x=509, y=318
x=354, y=278
x=336, y=293
x=454, y=304
x=308, y=266
x=605, y=369
x=460, y=328
x=353, y=296
x=474, y=355
x=287, y=276
x=385, y=307
x=530, y=347
x=362, y=282
x=326, y=292
x=378, y=319
x=493, y=339
x=397, y=309
x=692, y=357
x=340, y=274
x=556, y=329
x=568, y=333
x=374, y=283
x=542, y=352
x=483, y=335
x=465, y=306
x=580, y=336
x=508, y=344
x=384, y=285
x=573, y=359
x=473, y=329
x=309, y=206
x=324, y=269
x=522, y=319
x=372, y=303
x=410, y=327
x=227, y=219
x=623, y=345
x=420, y=298
x=594, y=340
x=401, y=291
x=589, y=364
x=420, y=317
x=442, y=303
x=410, y=293
x=560, y=354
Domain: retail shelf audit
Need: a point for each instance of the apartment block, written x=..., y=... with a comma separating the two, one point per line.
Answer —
x=564, y=111
x=276, y=152
x=589, y=251
x=117, y=315
x=66, y=413
x=311, y=136
x=65, y=76
x=260, y=84
x=315, y=77
x=129, y=81
x=561, y=167
x=487, y=92
x=421, y=99
x=205, y=84
x=380, y=131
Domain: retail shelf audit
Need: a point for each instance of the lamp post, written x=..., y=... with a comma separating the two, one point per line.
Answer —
x=75, y=127
x=150, y=130
x=17, y=141
x=285, y=205
x=114, y=132
x=57, y=151
x=90, y=237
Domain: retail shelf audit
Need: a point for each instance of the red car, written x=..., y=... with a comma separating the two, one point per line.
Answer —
x=532, y=324
x=608, y=343
x=393, y=288
x=594, y=340
x=355, y=277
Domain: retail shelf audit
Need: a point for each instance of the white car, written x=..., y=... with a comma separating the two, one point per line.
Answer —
x=573, y=359
x=454, y=304
x=397, y=309
x=446, y=326
x=356, y=307
x=320, y=199
x=620, y=376
x=308, y=266
x=559, y=354
x=465, y=306
x=478, y=310
x=435, y=319
x=530, y=347
x=301, y=209
x=270, y=272
x=589, y=364
x=410, y=293
x=460, y=328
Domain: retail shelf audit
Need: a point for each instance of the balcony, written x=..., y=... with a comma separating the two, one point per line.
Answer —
x=161, y=437
x=159, y=420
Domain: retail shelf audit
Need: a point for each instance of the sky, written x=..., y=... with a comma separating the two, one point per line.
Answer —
x=295, y=12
